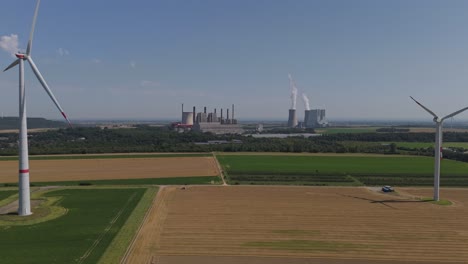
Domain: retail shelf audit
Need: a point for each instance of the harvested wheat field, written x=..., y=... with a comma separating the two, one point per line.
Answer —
x=265, y=224
x=110, y=169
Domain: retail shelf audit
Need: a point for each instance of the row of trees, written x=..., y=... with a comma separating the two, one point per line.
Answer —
x=83, y=140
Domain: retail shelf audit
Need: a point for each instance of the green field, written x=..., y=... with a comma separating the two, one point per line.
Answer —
x=340, y=170
x=337, y=130
x=418, y=145
x=5, y=194
x=92, y=220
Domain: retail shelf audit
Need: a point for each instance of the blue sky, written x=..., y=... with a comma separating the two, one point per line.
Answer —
x=141, y=59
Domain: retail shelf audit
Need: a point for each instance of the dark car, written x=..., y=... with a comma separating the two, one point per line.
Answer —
x=387, y=188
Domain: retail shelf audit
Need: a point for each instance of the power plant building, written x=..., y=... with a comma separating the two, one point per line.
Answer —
x=315, y=118
x=209, y=122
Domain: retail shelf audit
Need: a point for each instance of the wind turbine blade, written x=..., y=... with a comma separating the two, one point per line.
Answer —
x=12, y=65
x=455, y=113
x=425, y=108
x=31, y=35
x=47, y=89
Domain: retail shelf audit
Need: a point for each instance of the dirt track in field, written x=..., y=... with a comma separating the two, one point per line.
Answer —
x=298, y=225
x=110, y=169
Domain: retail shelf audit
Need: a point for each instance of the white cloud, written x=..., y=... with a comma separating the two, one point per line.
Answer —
x=63, y=52
x=96, y=61
x=148, y=84
x=9, y=44
x=133, y=64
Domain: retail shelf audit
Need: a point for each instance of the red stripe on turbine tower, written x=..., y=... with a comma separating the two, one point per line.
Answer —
x=24, y=171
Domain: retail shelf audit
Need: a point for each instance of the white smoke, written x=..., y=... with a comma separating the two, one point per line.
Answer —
x=292, y=84
x=9, y=44
x=63, y=52
x=306, y=101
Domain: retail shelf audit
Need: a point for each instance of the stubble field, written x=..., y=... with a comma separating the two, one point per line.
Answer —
x=274, y=224
x=111, y=169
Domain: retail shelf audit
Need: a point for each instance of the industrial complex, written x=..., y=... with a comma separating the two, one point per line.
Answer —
x=312, y=118
x=208, y=122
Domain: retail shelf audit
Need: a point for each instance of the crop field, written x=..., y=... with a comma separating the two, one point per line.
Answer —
x=92, y=219
x=340, y=170
x=109, y=156
x=414, y=145
x=277, y=224
x=432, y=129
x=5, y=194
x=111, y=169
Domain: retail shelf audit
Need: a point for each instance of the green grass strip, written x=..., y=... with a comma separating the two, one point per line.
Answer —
x=149, y=181
x=6, y=194
x=440, y=202
x=122, y=240
x=9, y=199
x=117, y=156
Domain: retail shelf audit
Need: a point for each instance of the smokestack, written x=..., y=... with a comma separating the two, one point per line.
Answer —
x=233, y=111
x=194, y=115
x=215, y=111
x=221, y=114
x=227, y=114
x=204, y=111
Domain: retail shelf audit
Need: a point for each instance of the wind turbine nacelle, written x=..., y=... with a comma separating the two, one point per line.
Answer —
x=437, y=120
x=20, y=56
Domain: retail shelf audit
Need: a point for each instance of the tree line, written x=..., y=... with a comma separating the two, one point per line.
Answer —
x=143, y=138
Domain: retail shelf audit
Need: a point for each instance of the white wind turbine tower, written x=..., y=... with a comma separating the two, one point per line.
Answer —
x=438, y=144
x=24, y=207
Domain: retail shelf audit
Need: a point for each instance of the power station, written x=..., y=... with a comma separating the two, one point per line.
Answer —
x=312, y=118
x=208, y=122
x=315, y=118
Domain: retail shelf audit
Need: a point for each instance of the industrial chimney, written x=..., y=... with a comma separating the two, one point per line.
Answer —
x=194, y=115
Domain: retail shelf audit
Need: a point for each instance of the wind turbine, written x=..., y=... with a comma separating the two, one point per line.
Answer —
x=24, y=207
x=438, y=144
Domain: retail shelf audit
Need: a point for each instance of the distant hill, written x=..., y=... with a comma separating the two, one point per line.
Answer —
x=33, y=122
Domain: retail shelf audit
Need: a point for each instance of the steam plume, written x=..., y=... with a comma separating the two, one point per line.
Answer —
x=306, y=101
x=9, y=44
x=292, y=84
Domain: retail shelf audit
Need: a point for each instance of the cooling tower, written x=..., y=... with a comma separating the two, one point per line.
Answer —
x=292, y=120
x=187, y=118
